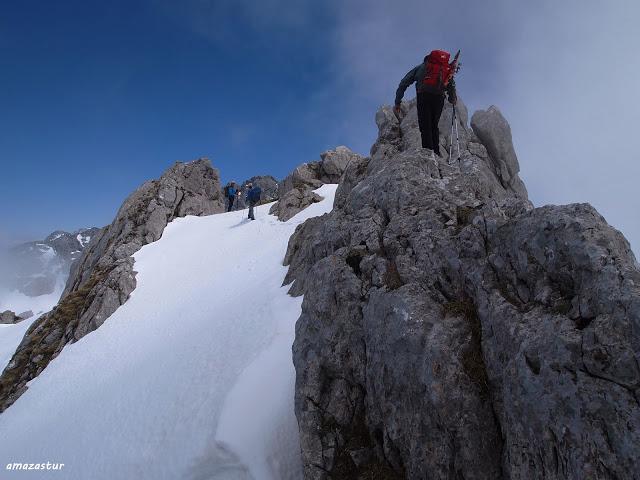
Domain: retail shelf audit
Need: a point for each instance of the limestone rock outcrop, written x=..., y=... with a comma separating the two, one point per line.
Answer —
x=102, y=279
x=450, y=330
x=8, y=317
x=295, y=192
x=494, y=133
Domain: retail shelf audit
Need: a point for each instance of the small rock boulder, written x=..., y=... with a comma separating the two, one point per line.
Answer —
x=8, y=317
x=25, y=315
x=295, y=192
x=495, y=134
x=293, y=202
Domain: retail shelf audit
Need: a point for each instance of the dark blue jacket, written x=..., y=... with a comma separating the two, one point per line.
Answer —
x=253, y=195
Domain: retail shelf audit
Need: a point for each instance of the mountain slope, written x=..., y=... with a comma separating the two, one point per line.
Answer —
x=103, y=277
x=191, y=378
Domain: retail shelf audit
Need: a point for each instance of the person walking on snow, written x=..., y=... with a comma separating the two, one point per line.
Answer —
x=230, y=193
x=433, y=78
x=253, y=197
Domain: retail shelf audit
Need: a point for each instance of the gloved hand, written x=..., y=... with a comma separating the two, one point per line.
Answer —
x=453, y=100
x=397, y=110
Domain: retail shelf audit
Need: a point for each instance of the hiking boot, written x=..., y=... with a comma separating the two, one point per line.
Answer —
x=430, y=154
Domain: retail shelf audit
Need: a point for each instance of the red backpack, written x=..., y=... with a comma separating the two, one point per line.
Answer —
x=438, y=72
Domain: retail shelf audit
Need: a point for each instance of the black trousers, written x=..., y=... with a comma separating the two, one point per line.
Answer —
x=231, y=198
x=429, y=111
x=251, y=205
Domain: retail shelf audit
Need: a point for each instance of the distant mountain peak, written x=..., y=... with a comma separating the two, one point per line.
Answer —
x=36, y=267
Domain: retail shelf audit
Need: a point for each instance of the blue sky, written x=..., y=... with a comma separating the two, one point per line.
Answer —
x=97, y=97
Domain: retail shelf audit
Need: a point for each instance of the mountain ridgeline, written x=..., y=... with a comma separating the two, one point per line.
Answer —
x=449, y=329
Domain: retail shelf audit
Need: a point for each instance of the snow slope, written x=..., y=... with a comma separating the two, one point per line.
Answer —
x=11, y=335
x=191, y=378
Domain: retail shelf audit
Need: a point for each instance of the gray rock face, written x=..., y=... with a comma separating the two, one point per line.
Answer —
x=36, y=267
x=25, y=315
x=10, y=317
x=561, y=344
x=102, y=279
x=293, y=202
x=295, y=192
x=333, y=163
x=449, y=330
x=495, y=134
x=304, y=176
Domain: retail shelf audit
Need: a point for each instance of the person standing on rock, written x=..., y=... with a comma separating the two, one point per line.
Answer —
x=433, y=78
x=253, y=197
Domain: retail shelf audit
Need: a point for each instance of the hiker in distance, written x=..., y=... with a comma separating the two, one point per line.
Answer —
x=230, y=192
x=433, y=78
x=253, y=197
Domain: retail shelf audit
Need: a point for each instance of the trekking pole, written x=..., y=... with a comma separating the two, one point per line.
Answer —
x=457, y=134
x=453, y=119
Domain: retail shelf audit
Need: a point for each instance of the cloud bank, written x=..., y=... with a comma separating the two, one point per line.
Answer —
x=565, y=75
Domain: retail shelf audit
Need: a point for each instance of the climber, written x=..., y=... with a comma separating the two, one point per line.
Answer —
x=253, y=197
x=433, y=78
x=230, y=193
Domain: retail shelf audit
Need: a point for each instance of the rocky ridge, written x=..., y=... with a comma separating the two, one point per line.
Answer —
x=295, y=192
x=450, y=330
x=102, y=279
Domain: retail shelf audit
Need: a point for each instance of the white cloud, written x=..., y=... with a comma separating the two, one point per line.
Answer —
x=573, y=100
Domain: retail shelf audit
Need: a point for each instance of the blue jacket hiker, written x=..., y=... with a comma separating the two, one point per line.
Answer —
x=253, y=197
x=230, y=192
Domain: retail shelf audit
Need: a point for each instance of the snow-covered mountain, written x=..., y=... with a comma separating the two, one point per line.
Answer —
x=35, y=273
